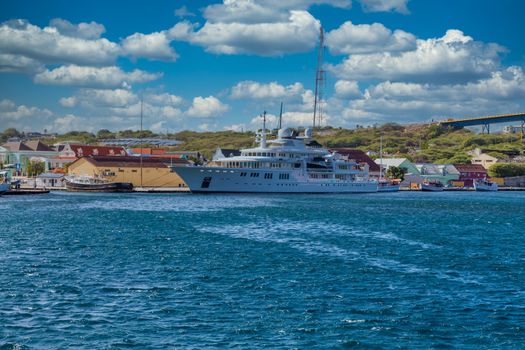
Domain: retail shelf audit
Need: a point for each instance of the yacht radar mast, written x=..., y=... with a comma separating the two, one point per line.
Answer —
x=263, y=132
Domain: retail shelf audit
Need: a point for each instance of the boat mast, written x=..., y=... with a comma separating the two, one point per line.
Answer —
x=381, y=157
x=319, y=82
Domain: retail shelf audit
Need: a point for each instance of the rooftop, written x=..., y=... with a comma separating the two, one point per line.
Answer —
x=470, y=168
x=127, y=142
x=358, y=156
x=133, y=162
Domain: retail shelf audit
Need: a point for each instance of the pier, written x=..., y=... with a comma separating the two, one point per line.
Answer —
x=24, y=191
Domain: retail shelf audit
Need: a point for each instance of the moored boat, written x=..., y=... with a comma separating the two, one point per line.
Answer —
x=485, y=185
x=431, y=186
x=93, y=184
x=5, y=184
x=387, y=186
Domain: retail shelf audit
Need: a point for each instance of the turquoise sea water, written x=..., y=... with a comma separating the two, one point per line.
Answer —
x=402, y=270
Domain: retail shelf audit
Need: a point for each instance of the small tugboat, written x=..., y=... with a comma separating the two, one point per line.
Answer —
x=431, y=186
x=94, y=184
x=485, y=185
x=387, y=186
x=5, y=185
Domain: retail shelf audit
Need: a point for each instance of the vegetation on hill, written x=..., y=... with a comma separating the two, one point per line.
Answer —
x=507, y=170
x=420, y=143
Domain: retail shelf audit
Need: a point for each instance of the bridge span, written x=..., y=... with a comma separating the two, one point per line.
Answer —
x=487, y=120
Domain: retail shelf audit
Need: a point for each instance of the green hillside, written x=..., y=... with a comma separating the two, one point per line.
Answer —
x=419, y=143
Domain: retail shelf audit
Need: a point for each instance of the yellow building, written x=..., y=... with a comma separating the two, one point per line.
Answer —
x=485, y=160
x=154, y=172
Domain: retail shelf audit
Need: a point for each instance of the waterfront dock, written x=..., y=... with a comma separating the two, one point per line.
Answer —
x=161, y=189
x=25, y=191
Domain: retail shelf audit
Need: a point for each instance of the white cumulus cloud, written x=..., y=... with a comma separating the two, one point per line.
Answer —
x=298, y=33
x=407, y=102
x=347, y=89
x=11, y=112
x=49, y=45
x=154, y=46
x=100, y=98
x=352, y=38
x=206, y=107
x=67, y=123
x=452, y=58
x=19, y=64
x=385, y=6
x=91, y=30
x=254, y=90
x=106, y=77
x=164, y=99
x=262, y=11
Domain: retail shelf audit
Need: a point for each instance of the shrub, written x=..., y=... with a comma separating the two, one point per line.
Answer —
x=506, y=170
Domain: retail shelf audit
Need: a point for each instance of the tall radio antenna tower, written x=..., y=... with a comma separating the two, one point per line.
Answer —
x=320, y=78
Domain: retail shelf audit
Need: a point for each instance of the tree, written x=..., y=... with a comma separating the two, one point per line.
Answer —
x=11, y=132
x=395, y=172
x=105, y=134
x=35, y=168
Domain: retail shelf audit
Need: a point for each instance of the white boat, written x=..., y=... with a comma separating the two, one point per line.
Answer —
x=431, y=186
x=485, y=185
x=5, y=184
x=385, y=185
x=288, y=164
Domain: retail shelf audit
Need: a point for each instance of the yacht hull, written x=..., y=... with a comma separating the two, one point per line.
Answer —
x=227, y=180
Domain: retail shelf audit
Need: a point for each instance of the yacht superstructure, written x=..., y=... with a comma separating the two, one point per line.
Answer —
x=288, y=164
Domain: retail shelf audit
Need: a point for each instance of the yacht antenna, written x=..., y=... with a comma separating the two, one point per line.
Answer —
x=280, y=118
x=320, y=76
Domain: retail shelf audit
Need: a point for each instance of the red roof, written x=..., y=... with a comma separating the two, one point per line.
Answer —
x=16, y=146
x=358, y=156
x=39, y=146
x=470, y=168
x=84, y=150
x=149, y=151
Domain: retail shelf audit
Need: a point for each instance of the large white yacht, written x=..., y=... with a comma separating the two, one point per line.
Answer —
x=288, y=164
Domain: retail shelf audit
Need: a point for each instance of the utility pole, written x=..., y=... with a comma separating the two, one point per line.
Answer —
x=280, y=118
x=320, y=78
x=141, y=111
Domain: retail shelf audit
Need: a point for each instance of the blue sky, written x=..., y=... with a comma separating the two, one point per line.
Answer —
x=212, y=65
